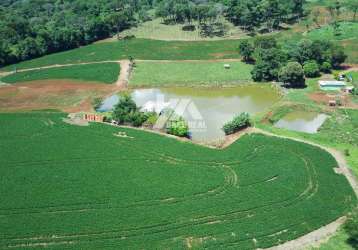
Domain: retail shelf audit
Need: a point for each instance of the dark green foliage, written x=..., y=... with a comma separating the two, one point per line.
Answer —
x=338, y=56
x=127, y=112
x=269, y=14
x=326, y=67
x=73, y=187
x=238, y=123
x=320, y=51
x=33, y=28
x=268, y=64
x=292, y=75
x=314, y=55
x=311, y=69
x=246, y=51
x=351, y=227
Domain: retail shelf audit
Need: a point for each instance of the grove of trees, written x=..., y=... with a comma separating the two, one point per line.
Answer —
x=33, y=28
x=291, y=63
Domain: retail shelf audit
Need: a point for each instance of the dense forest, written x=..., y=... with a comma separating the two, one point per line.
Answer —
x=32, y=28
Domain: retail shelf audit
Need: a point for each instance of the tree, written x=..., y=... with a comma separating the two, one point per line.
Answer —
x=338, y=56
x=123, y=110
x=268, y=64
x=353, y=6
x=311, y=69
x=326, y=67
x=303, y=51
x=246, y=51
x=292, y=75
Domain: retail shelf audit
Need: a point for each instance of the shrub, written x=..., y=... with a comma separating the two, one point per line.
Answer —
x=326, y=67
x=351, y=227
x=127, y=112
x=239, y=122
x=311, y=69
x=292, y=74
x=177, y=126
x=151, y=120
x=96, y=103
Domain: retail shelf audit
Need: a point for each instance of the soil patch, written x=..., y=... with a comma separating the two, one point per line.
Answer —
x=65, y=95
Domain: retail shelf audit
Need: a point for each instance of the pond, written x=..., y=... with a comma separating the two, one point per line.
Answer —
x=205, y=109
x=302, y=121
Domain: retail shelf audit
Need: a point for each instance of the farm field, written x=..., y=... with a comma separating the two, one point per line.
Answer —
x=189, y=73
x=145, y=49
x=99, y=72
x=116, y=192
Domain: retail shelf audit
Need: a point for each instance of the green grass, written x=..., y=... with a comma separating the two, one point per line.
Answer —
x=189, y=73
x=155, y=29
x=104, y=73
x=138, y=49
x=348, y=30
x=70, y=187
x=337, y=242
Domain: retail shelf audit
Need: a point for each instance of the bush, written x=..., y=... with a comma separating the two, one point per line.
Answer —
x=127, y=112
x=175, y=124
x=178, y=127
x=351, y=227
x=292, y=75
x=311, y=69
x=97, y=103
x=239, y=122
x=326, y=67
x=151, y=120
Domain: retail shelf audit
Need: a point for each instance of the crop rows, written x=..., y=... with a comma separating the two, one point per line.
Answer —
x=73, y=187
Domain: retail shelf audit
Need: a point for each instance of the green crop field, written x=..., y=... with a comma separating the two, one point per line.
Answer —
x=190, y=73
x=139, y=49
x=71, y=187
x=103, y=72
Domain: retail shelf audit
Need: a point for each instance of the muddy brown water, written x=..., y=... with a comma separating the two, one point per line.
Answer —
x=205, y=109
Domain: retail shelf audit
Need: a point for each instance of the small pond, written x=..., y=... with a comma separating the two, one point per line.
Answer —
x=302, y=121
x=205, y=109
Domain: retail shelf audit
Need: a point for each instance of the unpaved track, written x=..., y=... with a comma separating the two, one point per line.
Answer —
x=123, y=77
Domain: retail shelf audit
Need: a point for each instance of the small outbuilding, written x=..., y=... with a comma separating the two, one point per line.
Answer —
x=93, y=117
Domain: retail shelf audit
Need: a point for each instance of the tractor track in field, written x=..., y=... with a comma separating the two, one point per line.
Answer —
x=321, y=235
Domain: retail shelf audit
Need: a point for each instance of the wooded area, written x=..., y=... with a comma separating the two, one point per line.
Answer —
x=29, y=29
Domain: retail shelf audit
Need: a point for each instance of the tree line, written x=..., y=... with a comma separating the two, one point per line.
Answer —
x=29, y=29
x=33, y=28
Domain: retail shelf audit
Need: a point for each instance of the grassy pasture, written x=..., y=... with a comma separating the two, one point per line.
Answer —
x=156, y=29
x=104, y=72
x=348, y=30
x=139, y=49
x=70, y=187
x=190, y=73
